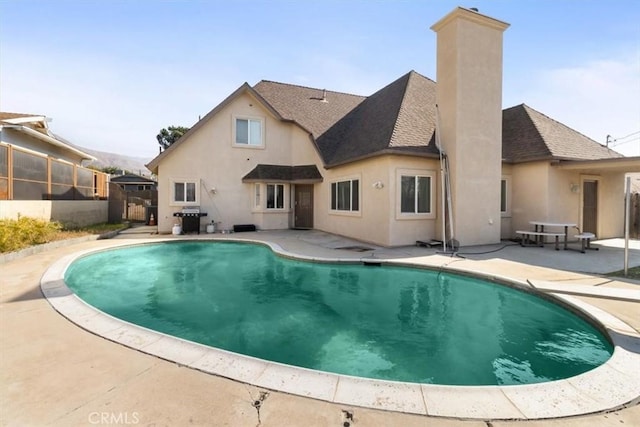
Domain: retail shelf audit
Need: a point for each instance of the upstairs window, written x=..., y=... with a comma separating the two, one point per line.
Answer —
x=345, y=195
x=248, y=132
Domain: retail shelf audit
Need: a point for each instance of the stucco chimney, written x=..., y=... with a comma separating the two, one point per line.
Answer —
x=469, y=98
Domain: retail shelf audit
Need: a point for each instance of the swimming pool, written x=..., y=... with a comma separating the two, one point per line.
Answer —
x=388, y=322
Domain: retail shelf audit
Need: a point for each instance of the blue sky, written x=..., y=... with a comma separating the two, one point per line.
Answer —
x=112, y=73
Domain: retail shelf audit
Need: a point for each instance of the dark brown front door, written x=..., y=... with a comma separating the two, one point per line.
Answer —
x=303, y=211
x=590, y=207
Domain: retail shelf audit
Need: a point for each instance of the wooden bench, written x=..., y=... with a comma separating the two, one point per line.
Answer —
x=585, y=241
x=528, y=233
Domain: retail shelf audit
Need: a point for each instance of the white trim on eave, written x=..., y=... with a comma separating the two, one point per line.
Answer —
x=46, y=138
x=27, y=119
x=621, y=164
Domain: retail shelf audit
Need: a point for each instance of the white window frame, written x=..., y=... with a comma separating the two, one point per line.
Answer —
x=507, y=182
x=350, y=211
x=432, y=197
x=276, y=186
x=185, y=181
x=234, y=124
x=259, y=196
x=257, y=201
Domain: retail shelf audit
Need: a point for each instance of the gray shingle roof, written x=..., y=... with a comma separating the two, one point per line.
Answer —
x=131, y=178
x=398, y=118
x=306, y=173
x=314, y=109
x=530, y=135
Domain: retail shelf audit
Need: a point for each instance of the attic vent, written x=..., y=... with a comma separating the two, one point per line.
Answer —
x=323, y=98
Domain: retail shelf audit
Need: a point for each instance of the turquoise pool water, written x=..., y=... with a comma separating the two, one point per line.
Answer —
x=391, y=323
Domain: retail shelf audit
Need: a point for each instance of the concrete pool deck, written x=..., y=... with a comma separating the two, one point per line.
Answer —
x=56, y=373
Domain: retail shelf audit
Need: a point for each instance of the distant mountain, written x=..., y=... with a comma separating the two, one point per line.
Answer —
x=135, y=165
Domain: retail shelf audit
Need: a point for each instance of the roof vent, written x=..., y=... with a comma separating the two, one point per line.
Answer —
x=323, y=98
x=475, y=9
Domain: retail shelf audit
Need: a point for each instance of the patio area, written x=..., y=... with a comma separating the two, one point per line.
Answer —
x=56, y=373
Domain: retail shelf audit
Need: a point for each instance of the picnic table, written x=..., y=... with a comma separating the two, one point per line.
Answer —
x=539, y=232
x=565, y=225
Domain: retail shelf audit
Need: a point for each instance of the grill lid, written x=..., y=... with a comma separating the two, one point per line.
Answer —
x=191, y=210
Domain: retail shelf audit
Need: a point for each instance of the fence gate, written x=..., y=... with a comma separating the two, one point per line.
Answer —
x=134, y=206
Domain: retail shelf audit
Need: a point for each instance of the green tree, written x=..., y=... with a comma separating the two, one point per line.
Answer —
x=168, y=136
x=112, y=170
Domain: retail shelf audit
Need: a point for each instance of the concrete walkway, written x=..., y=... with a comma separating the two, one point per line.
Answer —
x=55, y=373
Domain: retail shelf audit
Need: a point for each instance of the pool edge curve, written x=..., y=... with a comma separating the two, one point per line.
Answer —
x=611, y=385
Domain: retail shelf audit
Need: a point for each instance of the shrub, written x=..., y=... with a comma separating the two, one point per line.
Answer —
x=24, y=232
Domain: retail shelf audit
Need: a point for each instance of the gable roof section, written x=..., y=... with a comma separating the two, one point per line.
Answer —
x=316, y=110
x=297, y=104
x=529, y=135
x=306, y=173
x=245, y=88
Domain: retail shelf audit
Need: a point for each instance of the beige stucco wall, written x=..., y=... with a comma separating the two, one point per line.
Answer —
x=611, y=190
x=541, y=191
x=372, y=225
x=536, y=190
x=405, y=230
x=563, y=204
x=469, y=97
x=76, y=213
x=209, y=157
x=530, y=183
x=379, y=221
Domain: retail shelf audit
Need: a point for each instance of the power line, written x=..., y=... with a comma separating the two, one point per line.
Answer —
x=624, y=137
x=612, y=141
x=625, y=142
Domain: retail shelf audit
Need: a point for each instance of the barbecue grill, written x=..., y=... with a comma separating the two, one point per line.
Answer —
x=190, y=219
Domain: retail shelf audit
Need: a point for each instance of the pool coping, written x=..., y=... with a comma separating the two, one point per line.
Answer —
x=610, y=386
